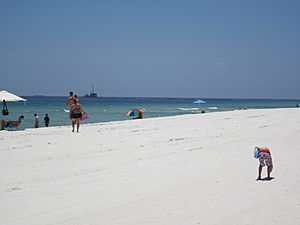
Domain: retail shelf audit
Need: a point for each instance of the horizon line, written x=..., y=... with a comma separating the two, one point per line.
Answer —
x=227, y=98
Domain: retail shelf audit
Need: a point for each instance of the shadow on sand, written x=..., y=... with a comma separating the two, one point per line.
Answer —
x=266, y=179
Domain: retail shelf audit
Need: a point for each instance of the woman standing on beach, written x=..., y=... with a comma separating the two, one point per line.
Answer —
x=76, y=112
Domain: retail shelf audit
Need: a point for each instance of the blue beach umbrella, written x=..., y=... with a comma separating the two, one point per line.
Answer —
x=199, y=101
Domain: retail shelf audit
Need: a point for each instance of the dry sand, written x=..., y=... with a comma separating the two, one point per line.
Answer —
x=182, y=170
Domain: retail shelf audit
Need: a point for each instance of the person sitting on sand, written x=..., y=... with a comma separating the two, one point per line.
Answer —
x=265, y=159
x=140, y=116
x=76, y=113
x=12, y=123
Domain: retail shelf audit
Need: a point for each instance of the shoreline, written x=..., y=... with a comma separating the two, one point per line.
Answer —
x=184, y=169
x=158, y=117
x=106, y=110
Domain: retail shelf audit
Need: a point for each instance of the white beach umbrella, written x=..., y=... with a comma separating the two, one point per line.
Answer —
x=9, y=97
x=6, y=96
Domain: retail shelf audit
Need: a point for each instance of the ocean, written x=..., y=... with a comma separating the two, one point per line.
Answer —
x=106, y=109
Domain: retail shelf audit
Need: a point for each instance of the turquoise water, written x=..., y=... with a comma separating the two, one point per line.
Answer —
x=114, y=109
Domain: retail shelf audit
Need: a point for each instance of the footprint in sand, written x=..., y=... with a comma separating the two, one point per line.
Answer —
x=14, y=189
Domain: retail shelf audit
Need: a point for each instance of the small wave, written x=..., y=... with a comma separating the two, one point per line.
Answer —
x=187, y=109
x=213, y=107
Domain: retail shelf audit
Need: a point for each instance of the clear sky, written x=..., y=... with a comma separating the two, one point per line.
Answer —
x=151, y=48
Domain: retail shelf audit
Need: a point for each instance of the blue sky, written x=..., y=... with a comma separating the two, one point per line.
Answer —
x=241, y=49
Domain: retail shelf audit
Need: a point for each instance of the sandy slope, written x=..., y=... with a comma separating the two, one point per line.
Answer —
x=183, y=170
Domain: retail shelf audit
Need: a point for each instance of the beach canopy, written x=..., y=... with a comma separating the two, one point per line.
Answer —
x=6, y=96
x=199, y=101
x=135, y=112
x=9, y=97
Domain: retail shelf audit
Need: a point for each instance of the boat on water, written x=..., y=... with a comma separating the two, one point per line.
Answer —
x=92, y=94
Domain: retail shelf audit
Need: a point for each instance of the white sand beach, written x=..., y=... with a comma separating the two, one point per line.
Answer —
x=182, y=170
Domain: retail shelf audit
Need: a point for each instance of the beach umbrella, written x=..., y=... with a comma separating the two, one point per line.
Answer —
x=135, y=112
x=199, y=101
x=9, y=97
x=6, y=96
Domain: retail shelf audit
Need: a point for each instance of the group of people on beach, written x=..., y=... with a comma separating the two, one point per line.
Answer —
x=262, y=153
x=75, y=111
x=11, y=124
x=37, y=122
x=75, y=114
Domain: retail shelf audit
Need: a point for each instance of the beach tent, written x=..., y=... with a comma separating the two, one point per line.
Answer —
x=6, y=96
